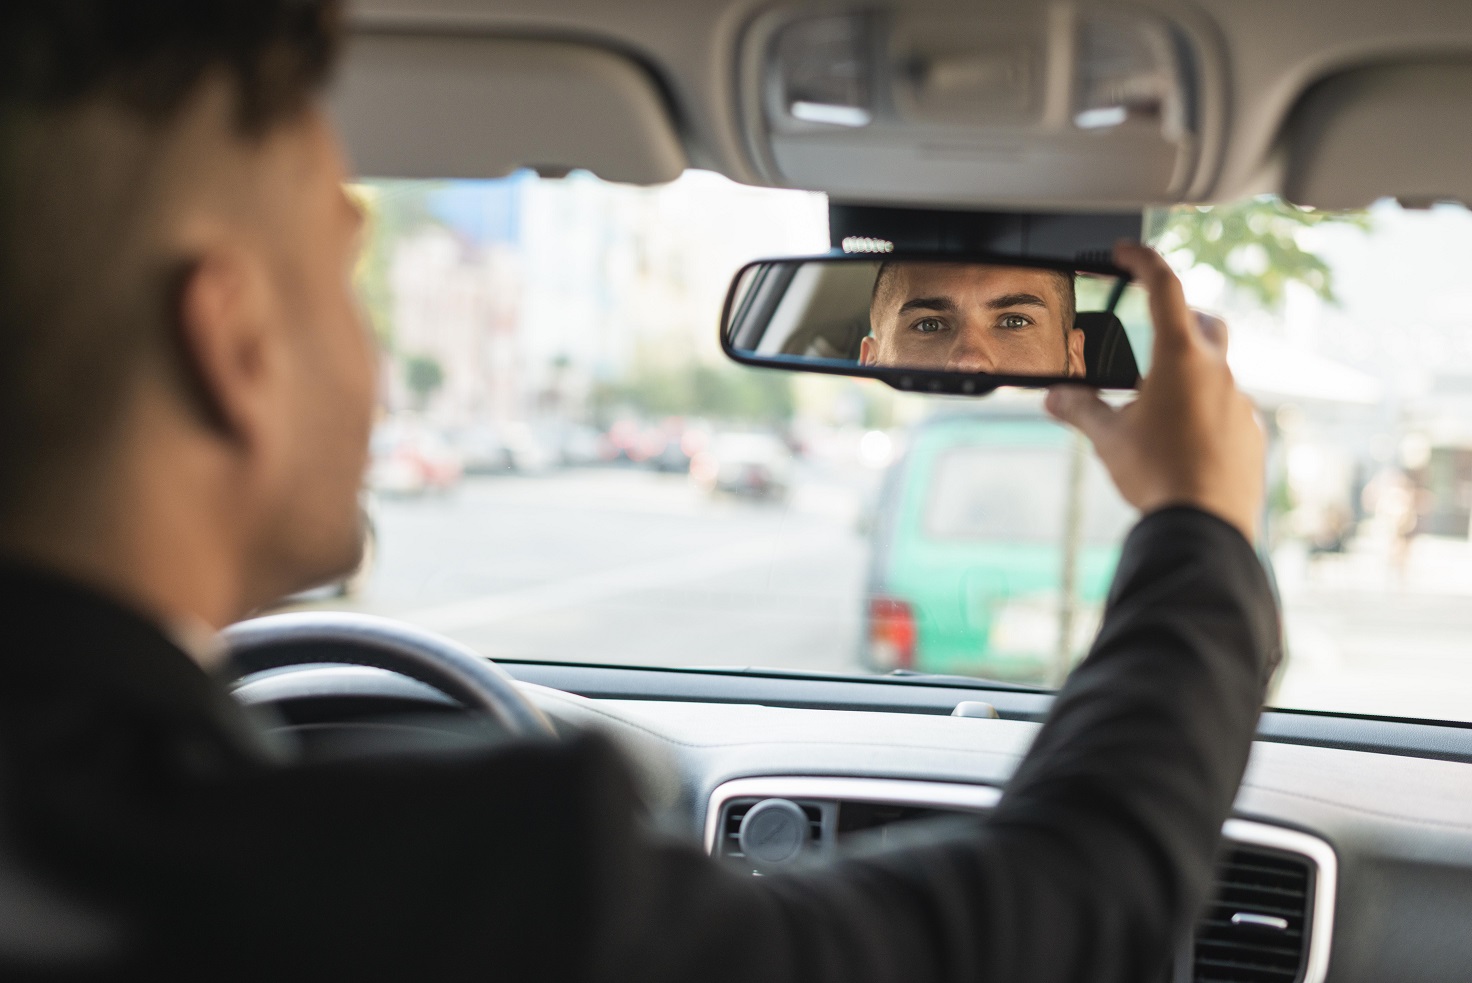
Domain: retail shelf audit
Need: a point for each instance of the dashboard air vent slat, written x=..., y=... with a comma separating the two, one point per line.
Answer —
x=1253, y=932
x=729, y=844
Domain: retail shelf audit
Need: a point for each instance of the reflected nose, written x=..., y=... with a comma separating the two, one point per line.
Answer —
x=970, y=352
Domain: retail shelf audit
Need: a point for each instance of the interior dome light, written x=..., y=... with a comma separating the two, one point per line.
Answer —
x=822, y=72
x=1129, y=69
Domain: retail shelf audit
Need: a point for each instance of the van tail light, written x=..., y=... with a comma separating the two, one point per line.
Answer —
x=892, y=633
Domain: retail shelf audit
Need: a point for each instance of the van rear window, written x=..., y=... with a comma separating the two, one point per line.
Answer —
x=1021, y=494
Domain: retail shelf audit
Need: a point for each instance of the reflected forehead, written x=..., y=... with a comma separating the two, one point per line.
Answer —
x=925, y=278
x=907, y=281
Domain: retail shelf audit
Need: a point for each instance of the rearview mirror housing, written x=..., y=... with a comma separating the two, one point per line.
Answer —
x=942, y=322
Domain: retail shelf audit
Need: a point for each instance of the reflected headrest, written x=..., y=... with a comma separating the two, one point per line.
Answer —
x=1108, y=357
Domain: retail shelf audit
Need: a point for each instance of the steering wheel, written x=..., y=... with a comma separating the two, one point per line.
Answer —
x=281, y=641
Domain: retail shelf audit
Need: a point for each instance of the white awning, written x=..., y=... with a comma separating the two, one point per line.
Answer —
x=1273, y=372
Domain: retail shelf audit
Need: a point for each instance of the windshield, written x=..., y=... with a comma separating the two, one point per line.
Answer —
x=973, y=497
x=565, y=467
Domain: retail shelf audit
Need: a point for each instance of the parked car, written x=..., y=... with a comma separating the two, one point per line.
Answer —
x=502, y=448
x=569, y=445
x=411, y=459
x=681, y=440
x=752, y=465
x=631, y=441
x=970, y=553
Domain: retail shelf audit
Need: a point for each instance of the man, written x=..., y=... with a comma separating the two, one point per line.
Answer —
x=184, y=401
x=973, y=317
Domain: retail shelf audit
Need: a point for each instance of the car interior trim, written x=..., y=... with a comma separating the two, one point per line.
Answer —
x=546, y=104
x=938, y=795
x=1325, y=882
x=1353, y=137
x=976, y=798
x=1444, y=741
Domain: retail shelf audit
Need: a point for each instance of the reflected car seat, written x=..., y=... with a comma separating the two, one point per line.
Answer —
x=1108, y=357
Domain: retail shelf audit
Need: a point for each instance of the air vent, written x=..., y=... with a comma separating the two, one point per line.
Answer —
x=1270, y=921
x=728, y=847
x=1256, y=930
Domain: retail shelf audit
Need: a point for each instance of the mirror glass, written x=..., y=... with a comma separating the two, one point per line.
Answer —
x=944, y=325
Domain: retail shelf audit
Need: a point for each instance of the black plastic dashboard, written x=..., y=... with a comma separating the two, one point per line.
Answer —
x=1392, y=832
x=1443, y=740
x=1270, y=919
x=1366, y=823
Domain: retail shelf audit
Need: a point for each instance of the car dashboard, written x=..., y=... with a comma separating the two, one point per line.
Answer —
x=1271, y=918
x=1348, y=856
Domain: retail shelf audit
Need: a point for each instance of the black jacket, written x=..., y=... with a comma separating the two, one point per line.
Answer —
x=144, y=833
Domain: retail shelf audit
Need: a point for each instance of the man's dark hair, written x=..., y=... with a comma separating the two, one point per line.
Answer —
x=152, y=55
x=1065, y=290
x=88, y=92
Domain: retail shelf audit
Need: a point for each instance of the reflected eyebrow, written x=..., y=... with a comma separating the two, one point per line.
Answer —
x=944, y=305
x=1016, y=300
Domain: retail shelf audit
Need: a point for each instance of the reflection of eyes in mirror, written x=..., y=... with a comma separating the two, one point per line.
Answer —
x=1002, y=320
x=958, y=318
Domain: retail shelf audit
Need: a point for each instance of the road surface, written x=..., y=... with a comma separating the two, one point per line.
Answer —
x=627, y=567
x=620, y=566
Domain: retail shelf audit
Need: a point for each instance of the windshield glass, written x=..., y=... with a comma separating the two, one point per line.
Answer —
x=973, y=497
x=565, y=467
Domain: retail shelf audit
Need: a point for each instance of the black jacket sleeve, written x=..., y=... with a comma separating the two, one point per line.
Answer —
x=1094, y=864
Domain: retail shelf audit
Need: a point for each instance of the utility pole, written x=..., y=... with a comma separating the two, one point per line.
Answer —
x=1073, y=528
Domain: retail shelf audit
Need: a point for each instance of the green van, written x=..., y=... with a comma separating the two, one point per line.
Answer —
x=995, y=540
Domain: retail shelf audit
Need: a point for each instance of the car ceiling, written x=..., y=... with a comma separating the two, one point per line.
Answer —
x=1334, y=104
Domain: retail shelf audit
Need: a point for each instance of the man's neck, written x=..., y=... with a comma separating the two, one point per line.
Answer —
x=184, y=597
x=152, y=540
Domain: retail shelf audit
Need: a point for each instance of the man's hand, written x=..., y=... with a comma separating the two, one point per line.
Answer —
x=1191, y=438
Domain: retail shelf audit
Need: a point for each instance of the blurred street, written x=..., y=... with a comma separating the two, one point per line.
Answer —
x=626, y=566
x=566, y=467
x=1363, y=638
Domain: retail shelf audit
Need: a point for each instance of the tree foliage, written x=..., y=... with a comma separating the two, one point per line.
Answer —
x=714, y=392
x=394, y=210
x=1254, y=244
x=424, y=376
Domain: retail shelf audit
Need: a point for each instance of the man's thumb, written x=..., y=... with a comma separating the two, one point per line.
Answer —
x=1081, y=407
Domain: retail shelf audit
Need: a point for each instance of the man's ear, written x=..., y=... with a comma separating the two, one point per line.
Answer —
x=1076, y=366
x=868, y=351
x=223, y=343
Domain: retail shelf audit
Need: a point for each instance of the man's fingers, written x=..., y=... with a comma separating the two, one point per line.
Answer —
x=1175, y=327
x=1214, y=330
x=1081, y=407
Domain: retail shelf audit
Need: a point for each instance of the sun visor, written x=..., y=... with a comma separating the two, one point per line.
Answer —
x=476, y=107
x=1031, y=105
x=1386, y=131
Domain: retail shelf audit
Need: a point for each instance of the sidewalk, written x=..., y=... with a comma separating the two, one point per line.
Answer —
x=1364, y=637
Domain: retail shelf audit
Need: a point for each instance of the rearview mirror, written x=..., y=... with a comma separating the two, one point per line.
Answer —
x=940, y=323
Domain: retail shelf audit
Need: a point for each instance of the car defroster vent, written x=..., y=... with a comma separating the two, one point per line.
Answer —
x=1256, y=929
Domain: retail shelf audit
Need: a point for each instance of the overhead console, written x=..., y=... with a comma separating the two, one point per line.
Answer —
x=1113, y=106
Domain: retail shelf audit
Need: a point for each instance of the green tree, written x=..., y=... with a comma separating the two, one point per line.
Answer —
x=656, y=386
x=1253, y=244
x=395, y=209
x=424, y=376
